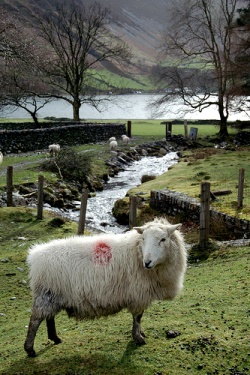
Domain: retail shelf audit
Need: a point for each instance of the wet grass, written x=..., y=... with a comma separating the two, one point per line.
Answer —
x=211, y=314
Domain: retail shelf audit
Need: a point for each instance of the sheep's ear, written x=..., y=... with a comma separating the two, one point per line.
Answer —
x=172, y=228
x=139, y=229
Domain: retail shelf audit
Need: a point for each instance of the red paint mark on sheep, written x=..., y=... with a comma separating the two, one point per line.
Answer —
x=102, y=253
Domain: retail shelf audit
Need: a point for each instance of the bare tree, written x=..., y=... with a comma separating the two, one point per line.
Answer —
x=21, y=85
x=241, y=64
x=80, y=41
x=21, y=90
x=198, y=49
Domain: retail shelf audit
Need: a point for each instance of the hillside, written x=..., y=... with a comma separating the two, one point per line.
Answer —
x=140, y=22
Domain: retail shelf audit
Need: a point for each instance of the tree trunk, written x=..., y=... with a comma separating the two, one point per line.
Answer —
x=35, y=119
x=223, y=133
x=76, y=109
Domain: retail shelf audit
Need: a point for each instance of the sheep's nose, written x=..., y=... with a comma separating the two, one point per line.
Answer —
x=148, y=264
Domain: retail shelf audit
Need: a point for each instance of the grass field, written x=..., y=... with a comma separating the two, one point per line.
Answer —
x=154, y=129
x=150, y=128
x=211, y=315
x=218, y=167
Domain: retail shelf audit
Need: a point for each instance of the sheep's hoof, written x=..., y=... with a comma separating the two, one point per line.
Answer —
x=143, y=334
x=139, y=340
x=57, y=341
x=32, y=354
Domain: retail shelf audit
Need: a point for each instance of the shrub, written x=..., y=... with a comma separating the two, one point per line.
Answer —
x=70, y=165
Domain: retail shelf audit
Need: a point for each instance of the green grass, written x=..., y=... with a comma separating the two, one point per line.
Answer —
x=107, y=80
x=6, y=119
x=211, y=314
x=154, y=130
x=218, y=167
x=26, y=168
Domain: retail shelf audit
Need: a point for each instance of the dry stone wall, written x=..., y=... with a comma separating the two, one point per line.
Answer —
x=174, y=203
x=15, y=138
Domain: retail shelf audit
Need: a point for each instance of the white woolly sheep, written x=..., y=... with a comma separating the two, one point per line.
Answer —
x=54, y=149
x=112, y=139
x=100, y=275
x=1, y=157
x=113, y=145
x=125, y=139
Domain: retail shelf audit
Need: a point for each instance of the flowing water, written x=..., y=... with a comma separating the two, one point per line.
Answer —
x=99, y=208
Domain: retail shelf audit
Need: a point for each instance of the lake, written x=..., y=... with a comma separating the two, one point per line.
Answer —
x=125, y=107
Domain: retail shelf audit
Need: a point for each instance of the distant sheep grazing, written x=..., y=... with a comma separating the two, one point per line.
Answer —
x=100, y=275
x=1, y=157
x=113, y=145
x=125, y=139
x=112, y=139
x=54, y=149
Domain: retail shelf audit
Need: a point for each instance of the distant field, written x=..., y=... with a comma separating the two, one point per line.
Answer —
x=149, y=128
x=107, y=80
x=154, y=128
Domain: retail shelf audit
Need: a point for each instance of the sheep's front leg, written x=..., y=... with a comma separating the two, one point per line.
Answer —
x=51, y=329
x=137, y=334
x=32, y=330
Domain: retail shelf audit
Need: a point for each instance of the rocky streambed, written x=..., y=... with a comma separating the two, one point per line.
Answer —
x=125, y=170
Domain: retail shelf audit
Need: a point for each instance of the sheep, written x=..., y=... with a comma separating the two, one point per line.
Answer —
x=113, y=145
x=1, y=157
x=54, y=149
x=100, y=275
x=112, y=139
x=125, y=139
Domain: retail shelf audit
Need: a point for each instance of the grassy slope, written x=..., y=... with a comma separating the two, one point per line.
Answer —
x=218, y=167
x=106, y=80
x=211, y=314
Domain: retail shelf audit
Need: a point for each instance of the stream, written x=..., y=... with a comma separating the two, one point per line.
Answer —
x=99, y=208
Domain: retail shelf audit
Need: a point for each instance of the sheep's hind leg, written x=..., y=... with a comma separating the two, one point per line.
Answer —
x=137, y=334
x=51, y=329
x=32, y=330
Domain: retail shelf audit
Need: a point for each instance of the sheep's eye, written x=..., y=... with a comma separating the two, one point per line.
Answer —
x=163, y=240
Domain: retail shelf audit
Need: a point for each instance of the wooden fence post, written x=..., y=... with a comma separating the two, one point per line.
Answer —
x=83, y=209
x=132, y=211
x=204, y=214
x=40, y=197
x=241, y=187
x=129, y=128
x=168, y=128
x=9, y=183
x=185, y=129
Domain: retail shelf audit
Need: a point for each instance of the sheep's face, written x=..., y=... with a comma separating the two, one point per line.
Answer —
x=156, y=243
